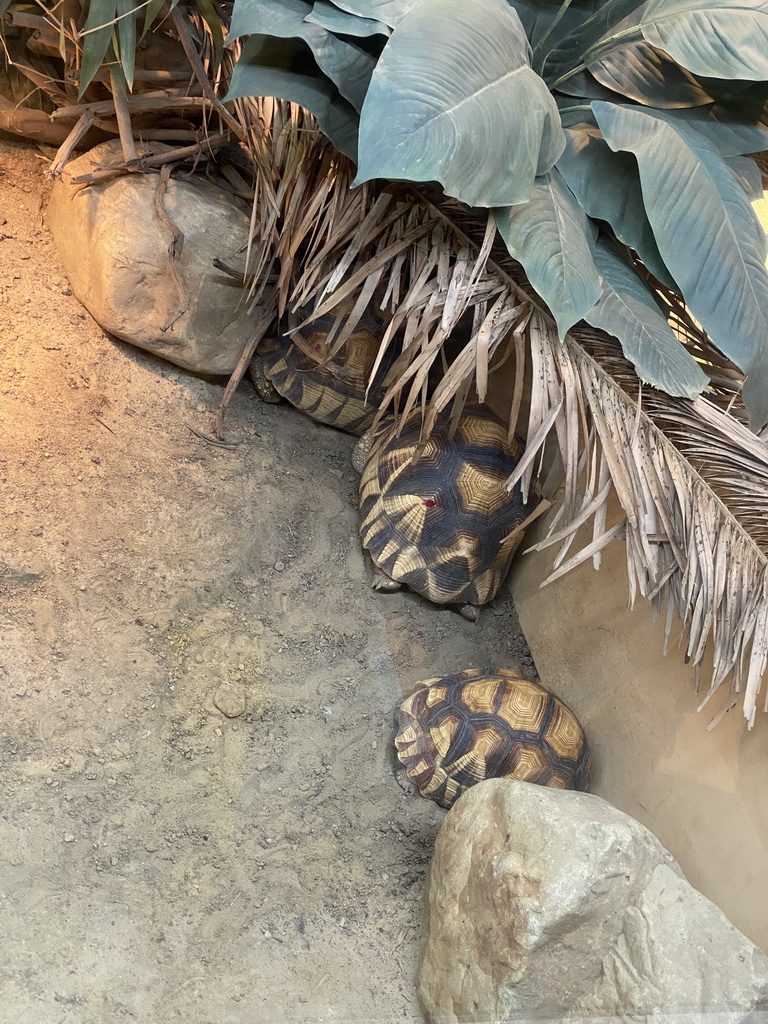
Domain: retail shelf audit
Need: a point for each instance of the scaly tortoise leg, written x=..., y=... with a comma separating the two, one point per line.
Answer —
x=469, y=611
x=383, y=582
x=265, y=389
x=361, y=452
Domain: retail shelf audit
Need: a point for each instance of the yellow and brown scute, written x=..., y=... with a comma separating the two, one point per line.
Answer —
x=458, y=730
x=442, y=524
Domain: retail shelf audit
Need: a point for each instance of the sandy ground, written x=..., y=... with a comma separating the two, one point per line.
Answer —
x=199, y=820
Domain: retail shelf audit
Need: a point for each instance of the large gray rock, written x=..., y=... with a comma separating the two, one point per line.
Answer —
x=114, y=248
x=545, y=903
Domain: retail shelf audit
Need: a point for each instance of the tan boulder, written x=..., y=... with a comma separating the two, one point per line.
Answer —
x=544, y=903
x=115, y=250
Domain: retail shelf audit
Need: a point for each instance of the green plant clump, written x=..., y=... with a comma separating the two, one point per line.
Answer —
x=608, y=139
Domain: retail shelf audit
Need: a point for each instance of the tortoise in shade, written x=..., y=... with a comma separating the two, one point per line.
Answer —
x=439, y=519
x=299, y=367
x=458, y=730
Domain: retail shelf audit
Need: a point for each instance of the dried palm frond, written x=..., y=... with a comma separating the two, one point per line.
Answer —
x=691, y=479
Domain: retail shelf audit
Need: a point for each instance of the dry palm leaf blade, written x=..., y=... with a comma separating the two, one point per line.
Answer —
x=691, y=480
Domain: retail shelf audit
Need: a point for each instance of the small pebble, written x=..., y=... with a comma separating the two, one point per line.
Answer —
x=279, y=566
x=230, y=699
x=68, y=837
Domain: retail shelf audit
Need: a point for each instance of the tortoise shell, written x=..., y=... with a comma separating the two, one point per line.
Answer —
x=333, y=390
x=460, y=729
x=444, y=525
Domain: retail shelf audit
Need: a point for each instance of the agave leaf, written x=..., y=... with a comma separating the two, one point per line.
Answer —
x=348, y=66
x=266, y=68
x=722, y=40
x=607, y=185
x=448, y=111
x=551, y=236
x=126, y=36
x=391, y=12
x=642, y=73
x=628, y=310
x=96, y=36
x=569, y=52
x=705, y=229
x=332, y=18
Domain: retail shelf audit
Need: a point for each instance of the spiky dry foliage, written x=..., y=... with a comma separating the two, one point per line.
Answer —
x=690, y=479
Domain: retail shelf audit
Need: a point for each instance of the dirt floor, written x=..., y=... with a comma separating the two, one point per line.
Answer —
x=199, y=819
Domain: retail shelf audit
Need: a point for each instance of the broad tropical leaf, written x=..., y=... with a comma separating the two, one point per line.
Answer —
x=747, y=173
x=348, y=66
x=705, y=229
x=391, y=12
x=551, y=236
x=574, y=49
x=266, y=68
x=467, y=110
x=607, y=185
x=721, y=40
x=649, y=76
x=627, y=310
x=724, y=132
x=331, y=17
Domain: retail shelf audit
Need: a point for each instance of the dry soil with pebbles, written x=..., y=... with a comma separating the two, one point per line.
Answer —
x=199, y=820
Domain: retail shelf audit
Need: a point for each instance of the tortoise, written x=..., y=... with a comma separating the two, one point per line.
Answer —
x=455, y=731
x=444, y=525
x=332, y=392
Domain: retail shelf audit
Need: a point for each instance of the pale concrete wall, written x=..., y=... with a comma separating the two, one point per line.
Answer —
x=704, y=794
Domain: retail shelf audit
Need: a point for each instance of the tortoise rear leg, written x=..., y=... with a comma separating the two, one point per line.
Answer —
x=263, y=385
x=469, y=611
x=361, y=451
x=383, y=582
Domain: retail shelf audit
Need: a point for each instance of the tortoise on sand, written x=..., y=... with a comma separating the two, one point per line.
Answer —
x=333, y=390
x=455, y=731
x=444, y=525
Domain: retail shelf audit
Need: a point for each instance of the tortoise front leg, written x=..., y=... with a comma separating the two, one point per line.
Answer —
x=265, y=389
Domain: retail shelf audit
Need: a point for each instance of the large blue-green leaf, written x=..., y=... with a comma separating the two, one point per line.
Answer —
x=331, y=17
x=627, y=310
x=348, y=66
x=705, y=229
x=585, y=86
x=649, y=76
x=391, y=12
x=729, y=137
x=96, y=36
x=747, y=173
x=722, y=40
x=464, y=108
x=569, y=52
x=552, y=238
x=547, y=21
x=607, y=185
x=285, y=69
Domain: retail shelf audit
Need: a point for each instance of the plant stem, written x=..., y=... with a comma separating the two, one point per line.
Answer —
x=555, y=22
x=599, y=50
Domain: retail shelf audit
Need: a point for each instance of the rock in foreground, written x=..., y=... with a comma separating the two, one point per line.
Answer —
x=114, y=244
x=548, y=903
